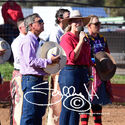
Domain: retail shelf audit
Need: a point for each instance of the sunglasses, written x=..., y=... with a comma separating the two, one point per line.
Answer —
x=96, y=24
x=39, y=21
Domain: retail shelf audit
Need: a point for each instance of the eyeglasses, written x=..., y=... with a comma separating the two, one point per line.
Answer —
x=96, y=24
x=39, y=21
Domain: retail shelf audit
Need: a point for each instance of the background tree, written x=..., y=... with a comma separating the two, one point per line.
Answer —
x=116, y=11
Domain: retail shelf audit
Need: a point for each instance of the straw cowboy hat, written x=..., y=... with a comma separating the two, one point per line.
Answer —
x=75, y=14
x=47, y=50
x=4, y=46
x=105, y=65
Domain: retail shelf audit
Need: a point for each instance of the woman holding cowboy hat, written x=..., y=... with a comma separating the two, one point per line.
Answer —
x=101, y=86
x=74, y=76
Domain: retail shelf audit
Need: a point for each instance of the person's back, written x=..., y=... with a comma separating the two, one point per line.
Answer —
x=15, y=84
x=11, y=12
x=16, y=43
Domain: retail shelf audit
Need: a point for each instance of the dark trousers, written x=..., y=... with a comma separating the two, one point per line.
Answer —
x=35, y=100
x=72, y=81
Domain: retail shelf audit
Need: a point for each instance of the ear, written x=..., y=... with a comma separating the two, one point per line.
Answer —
x=88, y=25
x=60, y=19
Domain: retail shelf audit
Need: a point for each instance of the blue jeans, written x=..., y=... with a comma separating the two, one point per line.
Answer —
x=32, y=112
x=72, y=81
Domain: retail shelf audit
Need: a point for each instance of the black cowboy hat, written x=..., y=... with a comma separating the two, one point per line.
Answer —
x=105, y=65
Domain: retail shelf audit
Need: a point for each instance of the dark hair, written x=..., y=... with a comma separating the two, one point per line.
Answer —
x=20, y=20
x=59, y=14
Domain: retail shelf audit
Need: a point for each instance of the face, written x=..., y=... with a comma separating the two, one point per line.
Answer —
x=94, y=26
x=38, y=26
x=66, y=15
x=75, y=24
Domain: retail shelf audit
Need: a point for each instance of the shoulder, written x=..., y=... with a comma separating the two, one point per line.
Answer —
x=102, y=37
x=4, y=5
x=66, y=38
x=15, y=41
x=55, y=30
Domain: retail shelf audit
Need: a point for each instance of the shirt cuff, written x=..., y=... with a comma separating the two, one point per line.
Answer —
x=49, y=61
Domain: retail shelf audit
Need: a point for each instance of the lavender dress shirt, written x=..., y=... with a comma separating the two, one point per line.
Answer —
x=29, y=63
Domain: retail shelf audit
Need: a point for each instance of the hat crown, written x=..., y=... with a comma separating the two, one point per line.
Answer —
x=75, y=13
x=105, y=65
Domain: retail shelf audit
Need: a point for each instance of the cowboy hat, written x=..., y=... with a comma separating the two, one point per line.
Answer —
x=75, y=14
x=105, y=65
x=47, y=50
x=4, y=46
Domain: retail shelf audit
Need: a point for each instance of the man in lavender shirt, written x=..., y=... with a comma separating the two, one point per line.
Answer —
x=32, y=72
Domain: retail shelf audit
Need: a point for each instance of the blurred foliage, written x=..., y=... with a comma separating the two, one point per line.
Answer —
x=30, y=3
x=116, y=11
x=6, y=71
x=119, y=79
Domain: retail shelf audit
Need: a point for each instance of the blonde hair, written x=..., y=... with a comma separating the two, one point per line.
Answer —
x=91, y=18
x=68, y=29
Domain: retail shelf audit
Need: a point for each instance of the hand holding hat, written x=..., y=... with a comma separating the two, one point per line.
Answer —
x=53, y=51
x=105, y=65
x=2, y=52
x=5, y=51
x=55, y=59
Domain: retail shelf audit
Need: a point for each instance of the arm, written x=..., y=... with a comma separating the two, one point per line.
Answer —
x=29, y=50
x=79, y=45
x=72, y=50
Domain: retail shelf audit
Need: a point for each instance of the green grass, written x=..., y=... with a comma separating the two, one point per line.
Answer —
x=6, y=70
x=119, y=79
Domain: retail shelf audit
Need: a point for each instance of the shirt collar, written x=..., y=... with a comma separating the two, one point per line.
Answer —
x=33, y=35
x=22, y=35
x=60, y=28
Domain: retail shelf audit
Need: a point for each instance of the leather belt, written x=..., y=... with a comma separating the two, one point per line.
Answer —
x=16, y=69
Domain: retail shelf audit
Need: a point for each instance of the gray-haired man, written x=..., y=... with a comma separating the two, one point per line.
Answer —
x=32, y=73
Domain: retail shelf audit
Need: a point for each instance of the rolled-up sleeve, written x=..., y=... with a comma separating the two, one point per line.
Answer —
x=29, y=49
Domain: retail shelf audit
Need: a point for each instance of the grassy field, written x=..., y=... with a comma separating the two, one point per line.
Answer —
x=6, y=71
x=7, y=68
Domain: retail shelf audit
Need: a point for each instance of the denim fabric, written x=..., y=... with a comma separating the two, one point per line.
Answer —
x=76, y=77
x=103, y=97
x=32, y=114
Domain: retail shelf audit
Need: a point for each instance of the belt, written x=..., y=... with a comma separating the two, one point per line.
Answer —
x=78, y=66
x=16, y=69
x=40, y=76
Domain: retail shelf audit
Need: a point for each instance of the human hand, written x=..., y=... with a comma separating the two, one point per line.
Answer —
x=55, y=59
x=82, y=36
x=90, y=85
x=2, y=52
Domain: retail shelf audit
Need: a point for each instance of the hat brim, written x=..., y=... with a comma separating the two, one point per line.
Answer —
x=43, y=51
x=4, y=45
x=84, y=19
x=105, y=76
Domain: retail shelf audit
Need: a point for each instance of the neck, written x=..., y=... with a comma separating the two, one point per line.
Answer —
x=92, y=34
x=61, y=25
x=76, y=33
x=35, y=33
